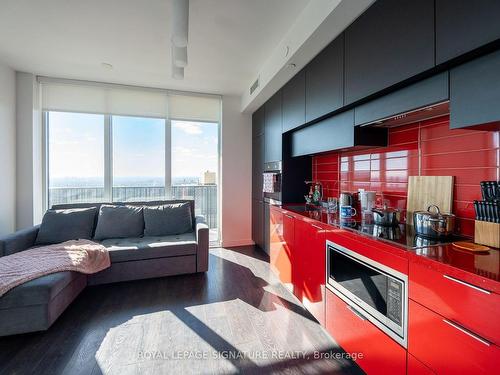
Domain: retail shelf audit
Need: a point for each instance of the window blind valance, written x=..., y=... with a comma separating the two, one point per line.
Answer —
x=90, y=97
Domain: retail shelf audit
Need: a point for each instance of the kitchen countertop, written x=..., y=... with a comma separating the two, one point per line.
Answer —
x=479, y=268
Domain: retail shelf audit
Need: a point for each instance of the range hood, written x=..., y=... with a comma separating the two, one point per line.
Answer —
x=415, y=115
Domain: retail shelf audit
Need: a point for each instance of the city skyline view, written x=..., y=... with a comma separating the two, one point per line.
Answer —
x=155, y=181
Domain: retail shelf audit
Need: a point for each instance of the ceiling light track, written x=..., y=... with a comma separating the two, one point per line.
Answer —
x=179, y=36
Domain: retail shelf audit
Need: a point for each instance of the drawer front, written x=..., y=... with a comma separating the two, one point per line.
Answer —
x=415, y=367
x=462, y=302
x=446, y=347
x=376, y=352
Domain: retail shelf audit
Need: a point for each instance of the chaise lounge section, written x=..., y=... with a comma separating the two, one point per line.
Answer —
x=35, y=305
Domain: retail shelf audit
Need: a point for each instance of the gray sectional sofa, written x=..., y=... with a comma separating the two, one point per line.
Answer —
x=35, y=305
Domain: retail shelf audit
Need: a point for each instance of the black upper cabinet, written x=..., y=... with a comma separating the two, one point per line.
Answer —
x=334, y=133
x=464, y=25
x=330, y=134
x=389, y=43
x=325, y=81
x=294, y=102
x=273, y=129
x=421, y=94
x=475, y=94
x=258, y=119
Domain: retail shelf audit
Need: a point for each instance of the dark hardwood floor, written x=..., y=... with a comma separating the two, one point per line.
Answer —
x=236, y=318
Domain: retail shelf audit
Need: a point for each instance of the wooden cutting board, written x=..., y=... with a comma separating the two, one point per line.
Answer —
x=426, y=190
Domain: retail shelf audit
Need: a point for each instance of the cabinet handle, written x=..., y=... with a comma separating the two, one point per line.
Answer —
x=316, y=226
x=467, y=284
x=467, y=332
x=356, y=312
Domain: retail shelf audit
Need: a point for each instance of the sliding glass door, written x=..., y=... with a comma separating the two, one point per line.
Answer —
x=195, y=167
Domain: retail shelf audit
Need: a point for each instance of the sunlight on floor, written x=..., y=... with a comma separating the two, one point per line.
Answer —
x=219, y=337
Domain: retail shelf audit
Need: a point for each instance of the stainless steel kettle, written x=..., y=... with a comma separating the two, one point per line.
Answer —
x=346, y=199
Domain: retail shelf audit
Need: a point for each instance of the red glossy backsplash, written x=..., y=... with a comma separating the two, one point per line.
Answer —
x=427, y=148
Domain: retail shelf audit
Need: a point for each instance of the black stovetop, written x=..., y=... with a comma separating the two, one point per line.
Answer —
x=403, y=234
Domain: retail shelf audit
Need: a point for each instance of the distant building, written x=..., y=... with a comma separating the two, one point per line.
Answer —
x=209, y=178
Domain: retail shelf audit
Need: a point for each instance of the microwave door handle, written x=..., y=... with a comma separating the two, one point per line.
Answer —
x=356, y=312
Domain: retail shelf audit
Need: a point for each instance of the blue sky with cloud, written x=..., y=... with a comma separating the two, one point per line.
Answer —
x=76, y=146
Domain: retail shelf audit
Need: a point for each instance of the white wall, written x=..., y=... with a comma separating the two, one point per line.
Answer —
x=236, y=166
x=7, y=149
x=28, y=156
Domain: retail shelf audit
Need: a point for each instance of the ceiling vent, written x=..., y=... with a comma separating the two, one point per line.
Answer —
x=254, y=86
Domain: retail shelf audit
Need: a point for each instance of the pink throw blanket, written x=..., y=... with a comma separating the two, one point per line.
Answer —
x=81, y=256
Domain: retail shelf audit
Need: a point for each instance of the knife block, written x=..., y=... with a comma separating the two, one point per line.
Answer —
x=486, y=233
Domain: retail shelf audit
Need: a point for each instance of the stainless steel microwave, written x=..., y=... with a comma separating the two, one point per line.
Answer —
x=376, y=292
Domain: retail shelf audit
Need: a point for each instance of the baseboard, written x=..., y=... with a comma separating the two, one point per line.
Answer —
x=234, y=243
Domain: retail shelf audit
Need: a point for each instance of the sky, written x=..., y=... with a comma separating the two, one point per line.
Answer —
x=76, y=146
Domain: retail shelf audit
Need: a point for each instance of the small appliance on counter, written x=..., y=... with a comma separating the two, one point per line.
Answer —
x=487, y=224
x=386, y=216
x=346, y=199
x=367, y=200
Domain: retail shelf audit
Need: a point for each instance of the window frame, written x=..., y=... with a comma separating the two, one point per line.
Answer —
x=108, y=159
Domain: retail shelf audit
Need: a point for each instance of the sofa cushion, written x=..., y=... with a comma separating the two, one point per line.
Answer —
x=119, y=222
x=64, y=225
x=38, y=291
x=168, y=219
x=130, y=249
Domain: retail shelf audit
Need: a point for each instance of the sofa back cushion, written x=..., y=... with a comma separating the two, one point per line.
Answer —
x=168, y=219
x=135, y=204
x=64, y=225
x=116, y=221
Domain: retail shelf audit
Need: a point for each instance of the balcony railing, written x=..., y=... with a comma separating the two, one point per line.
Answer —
x=205, y=196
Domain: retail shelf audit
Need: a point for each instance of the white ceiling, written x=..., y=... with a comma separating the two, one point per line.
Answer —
x=229, y=40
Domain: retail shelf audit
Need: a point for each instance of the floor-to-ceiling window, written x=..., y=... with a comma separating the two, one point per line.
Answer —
x=138, y=162
x=195, y=167
x=76, y=158
x=105, y=157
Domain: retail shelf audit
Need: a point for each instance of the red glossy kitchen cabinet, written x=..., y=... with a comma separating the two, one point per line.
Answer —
x=453, y=296
x=415, y=367
x=309, y=278
x=446, y=347
x=376, y=353
x=281, y=240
